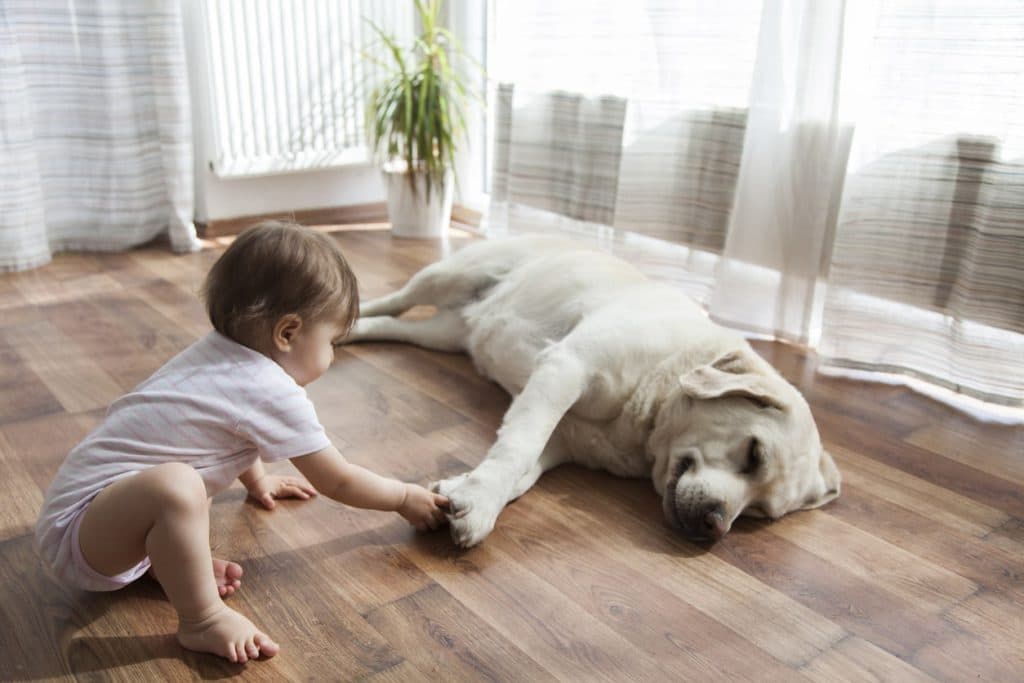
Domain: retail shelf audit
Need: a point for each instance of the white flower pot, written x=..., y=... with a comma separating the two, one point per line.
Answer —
x=410, y=213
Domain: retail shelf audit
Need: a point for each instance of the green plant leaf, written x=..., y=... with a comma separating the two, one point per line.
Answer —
x=416, y=112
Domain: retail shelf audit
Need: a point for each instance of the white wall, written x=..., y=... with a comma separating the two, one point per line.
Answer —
x=218, y=198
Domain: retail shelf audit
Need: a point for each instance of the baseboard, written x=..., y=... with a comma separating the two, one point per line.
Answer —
x=375, y=212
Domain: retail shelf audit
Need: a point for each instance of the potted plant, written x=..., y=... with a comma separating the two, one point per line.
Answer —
x=415, y=119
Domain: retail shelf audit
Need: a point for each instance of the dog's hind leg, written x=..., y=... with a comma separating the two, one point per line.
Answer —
x=445, y=331
x=442, y=284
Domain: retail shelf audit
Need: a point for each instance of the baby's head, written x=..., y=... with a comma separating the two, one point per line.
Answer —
x=285, y=291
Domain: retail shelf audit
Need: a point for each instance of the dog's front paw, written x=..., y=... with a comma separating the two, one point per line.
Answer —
x=473, y=508
x=446, y=486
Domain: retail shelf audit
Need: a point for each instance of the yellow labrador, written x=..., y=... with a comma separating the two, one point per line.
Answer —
x=610, y=370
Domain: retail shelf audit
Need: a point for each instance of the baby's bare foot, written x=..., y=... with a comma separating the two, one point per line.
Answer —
x=228, y=634
x=228, y=575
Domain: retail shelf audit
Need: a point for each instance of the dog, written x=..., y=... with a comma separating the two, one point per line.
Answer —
x=612, y=371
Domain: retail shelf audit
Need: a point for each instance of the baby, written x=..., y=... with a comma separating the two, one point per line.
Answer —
x=134, y=495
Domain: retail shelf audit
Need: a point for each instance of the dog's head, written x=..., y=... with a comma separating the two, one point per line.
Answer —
x=733, y=438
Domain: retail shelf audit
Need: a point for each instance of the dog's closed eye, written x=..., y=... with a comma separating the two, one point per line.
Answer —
x=755, y=458
x=683, y=465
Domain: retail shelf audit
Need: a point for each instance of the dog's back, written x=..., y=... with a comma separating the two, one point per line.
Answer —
x=600, y=308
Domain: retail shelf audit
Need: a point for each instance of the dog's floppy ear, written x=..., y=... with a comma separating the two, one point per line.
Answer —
x=734, y=374
x=826, y=487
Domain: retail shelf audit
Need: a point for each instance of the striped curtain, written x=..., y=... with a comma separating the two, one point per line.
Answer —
x=845, y=175
x=685, y=72
x=927, y=273
x=560, y=152
x=95, y=130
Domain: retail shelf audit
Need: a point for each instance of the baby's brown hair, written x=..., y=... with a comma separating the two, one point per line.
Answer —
x=275, y=268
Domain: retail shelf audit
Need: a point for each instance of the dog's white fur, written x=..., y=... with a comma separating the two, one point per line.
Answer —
x=609, y=370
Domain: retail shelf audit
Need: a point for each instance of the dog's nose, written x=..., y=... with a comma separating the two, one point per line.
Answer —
x=705, y=524
x=714, y=523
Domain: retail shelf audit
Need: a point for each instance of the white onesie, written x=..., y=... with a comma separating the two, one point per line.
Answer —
x=217, y=406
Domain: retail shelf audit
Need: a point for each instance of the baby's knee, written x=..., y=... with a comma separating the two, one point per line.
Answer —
x=177, y=486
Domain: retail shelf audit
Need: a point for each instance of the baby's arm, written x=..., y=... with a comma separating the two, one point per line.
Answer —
x=266, y=487
x=353, y=485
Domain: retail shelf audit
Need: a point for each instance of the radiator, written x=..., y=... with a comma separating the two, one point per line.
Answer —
x=288, y=80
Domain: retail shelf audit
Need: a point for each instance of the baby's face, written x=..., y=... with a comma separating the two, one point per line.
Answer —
x=312, y=351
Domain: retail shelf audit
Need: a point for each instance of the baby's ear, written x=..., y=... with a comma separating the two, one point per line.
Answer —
x=284, y=331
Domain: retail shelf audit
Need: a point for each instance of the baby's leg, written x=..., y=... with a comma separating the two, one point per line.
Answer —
x=227, y=574
x=162, y=512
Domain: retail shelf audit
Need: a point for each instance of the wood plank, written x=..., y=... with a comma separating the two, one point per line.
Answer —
x=995, y=449
x=441, y=635
x=179, y=305
x=686, y=642
x=987, y=644
x=559, y=635
x=955, y=511
x=376, y=575
x=353, y=389
x=995, y=615
x=448, y=377
x=410, y=457
x=184, y=270
x=403, y=672
x=915, y=531
x=307, y=614
x=962, y=479
x=114, y=331
x=70, y=276
x=33, y=611
x=42, y=443
x=856, y=660
x=21, y=497
x=739, y=600
x=11, y=297
x=886, y=566
x=1009, y=536
x=857, y=604
x=297, y=597
x=74, y=378
x=23, y=395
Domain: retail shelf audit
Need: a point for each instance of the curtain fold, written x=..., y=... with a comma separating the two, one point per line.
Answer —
x=94, y=128
x=864, y=195
x=790, y=175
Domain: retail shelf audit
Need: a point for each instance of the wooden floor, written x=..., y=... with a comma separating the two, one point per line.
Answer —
x=915, y=573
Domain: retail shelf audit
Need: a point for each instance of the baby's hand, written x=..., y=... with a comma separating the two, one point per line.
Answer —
x=272, y=486
x=422, y=508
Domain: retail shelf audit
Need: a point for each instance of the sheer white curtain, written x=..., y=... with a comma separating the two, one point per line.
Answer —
x=95, y=131
x=790, y=175
x=843, y=175
x=927, y=273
